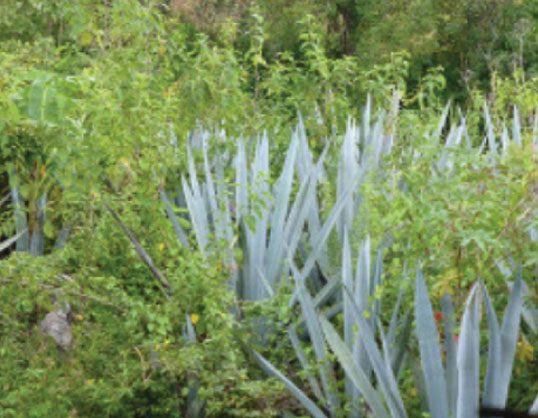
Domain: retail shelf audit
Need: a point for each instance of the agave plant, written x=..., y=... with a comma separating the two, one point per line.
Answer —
x=451, y=387
x=271, y=219
x=28, y=239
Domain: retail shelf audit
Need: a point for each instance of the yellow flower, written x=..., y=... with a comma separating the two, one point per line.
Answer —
x=79, y=317
x=90, y=381
x=166, y=343
x=195, y=318
x=161, y=246
x=524, y=351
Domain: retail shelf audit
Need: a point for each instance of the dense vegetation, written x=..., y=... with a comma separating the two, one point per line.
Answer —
x=268, y=208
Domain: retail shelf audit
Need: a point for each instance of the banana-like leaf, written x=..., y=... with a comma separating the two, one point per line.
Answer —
x=469, y=359
x=430, y=352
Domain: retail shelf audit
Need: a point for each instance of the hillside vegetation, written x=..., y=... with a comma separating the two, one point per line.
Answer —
x=260, y=208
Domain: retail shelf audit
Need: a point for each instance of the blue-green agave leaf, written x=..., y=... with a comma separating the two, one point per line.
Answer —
x=516, y=128
x=469, y=359
x=353, y=371
x=37, y=241
x=493, y=386
x=314, y=385
x=310, y=406
x=316, y=336
x=509, y=333
x=383, y=371
x=19, y=213
x=451, y=350
x=8, y=242
x=430, y=352
x=178, y=230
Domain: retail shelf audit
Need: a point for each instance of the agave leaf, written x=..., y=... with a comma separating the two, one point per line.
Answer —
x=303, y=208
x=349, y=323
x=347, y=283
x=529, y=312
x=353, y=371
x=509, y=333
x=377, y=281
x=325, y=231
x=5, y=244
x=451, y=373
x=198, y=216
x=241, y=179
x=489, y=128
x=400, y=345
x=493, y=384
x=19, y=213
x=314, y=330
x=347, y=169
x=534, y=407
x=282, y=193
x=385, y=376
x=430, y=352
x=469, y=359
x=442, y=121
x=294, y=390
x=62, y=236
x=211, y=194
x=178, y=230
x=304, y=361
x=37, y=242
x=516, y=128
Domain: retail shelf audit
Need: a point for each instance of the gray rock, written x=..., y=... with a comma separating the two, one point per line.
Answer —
x=57, y=325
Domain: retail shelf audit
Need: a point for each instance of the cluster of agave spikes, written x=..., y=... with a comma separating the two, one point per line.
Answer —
x=272, y=221
x=26, y=239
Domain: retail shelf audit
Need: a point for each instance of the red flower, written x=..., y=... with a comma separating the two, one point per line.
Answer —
x=438, y=316
x=456, y=338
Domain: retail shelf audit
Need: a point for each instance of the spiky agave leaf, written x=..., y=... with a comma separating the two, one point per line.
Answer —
x=355, y=373
x=469, y=358
x=318, y=342
x=451, y=349
x=430, y=352
x=294, y=390
x=10, y=241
